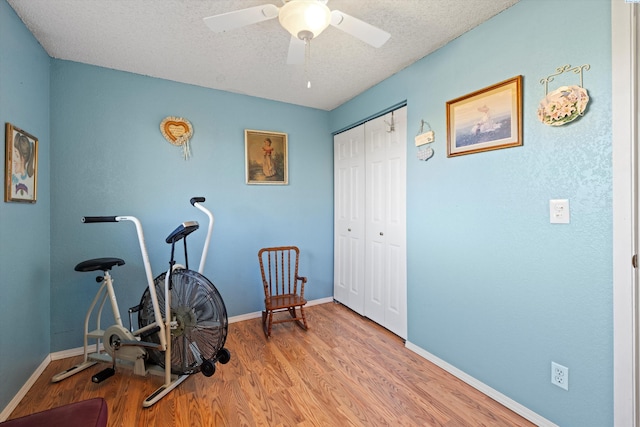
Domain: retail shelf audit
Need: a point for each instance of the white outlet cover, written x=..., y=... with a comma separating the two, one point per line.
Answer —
x=559, y=211
x=560, y=375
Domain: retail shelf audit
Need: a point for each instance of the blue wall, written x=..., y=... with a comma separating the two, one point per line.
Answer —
x=495, y=289
x=24, y=228
x=111, y=159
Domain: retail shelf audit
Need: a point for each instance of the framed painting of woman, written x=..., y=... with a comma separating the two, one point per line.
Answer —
x=21, y=167
x=266, y=157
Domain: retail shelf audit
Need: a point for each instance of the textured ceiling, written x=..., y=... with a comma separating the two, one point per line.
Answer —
x=168, y=39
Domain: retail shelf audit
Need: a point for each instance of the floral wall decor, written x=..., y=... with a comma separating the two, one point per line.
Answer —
x=566, y=103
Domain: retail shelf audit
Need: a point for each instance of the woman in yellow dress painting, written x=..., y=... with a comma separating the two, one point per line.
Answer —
x=268, y=167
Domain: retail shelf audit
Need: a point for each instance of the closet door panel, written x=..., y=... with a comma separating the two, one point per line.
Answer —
x=349, y=218
x=395, y=230
x=377, y=182
x=341, y=241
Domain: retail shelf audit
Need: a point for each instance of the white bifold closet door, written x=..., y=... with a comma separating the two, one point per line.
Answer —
x=349, y=193
x=370, y=220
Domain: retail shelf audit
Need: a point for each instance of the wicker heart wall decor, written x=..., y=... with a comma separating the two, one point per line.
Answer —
x=177, y=131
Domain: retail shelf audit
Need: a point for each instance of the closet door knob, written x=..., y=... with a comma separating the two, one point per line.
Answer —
x=348, y=229
x=381, y=233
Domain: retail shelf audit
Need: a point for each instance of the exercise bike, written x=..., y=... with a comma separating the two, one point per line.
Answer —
x=182, y=319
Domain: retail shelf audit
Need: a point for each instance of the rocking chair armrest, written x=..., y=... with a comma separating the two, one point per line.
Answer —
x=303, y=280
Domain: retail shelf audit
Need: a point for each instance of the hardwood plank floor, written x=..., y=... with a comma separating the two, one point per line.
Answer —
x=344, y=371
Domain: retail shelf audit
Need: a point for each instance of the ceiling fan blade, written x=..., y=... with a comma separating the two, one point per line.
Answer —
x=359, y=29
x=296, y=51
x=240, y=18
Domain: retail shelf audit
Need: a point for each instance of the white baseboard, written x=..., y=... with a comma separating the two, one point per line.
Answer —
x=257, y=314
x=485, y=389
x=320, y=301
x=78, y=351
x=25, y=388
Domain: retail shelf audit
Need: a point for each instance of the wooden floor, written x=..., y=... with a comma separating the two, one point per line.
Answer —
x=344, y=371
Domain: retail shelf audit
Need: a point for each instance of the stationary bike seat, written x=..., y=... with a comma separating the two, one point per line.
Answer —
x=102, y=264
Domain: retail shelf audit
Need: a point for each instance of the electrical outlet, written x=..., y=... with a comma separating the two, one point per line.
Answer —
x=559, y=211
x=560, y=376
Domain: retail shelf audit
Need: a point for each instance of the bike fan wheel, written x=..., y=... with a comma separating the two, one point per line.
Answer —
x=201, y=320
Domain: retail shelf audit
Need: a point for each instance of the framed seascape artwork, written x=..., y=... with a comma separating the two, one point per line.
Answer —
x=488, y=119
x=21, y=168
x=266, y=157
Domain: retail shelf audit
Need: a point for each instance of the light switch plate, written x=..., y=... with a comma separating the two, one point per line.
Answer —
x=559, y=211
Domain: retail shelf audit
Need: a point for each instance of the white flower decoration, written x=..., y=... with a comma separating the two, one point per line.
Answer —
x=563, y=105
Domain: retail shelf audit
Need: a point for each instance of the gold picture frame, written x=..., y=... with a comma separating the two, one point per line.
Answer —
x=488, y=119
x=21, y=165
x=266, y=157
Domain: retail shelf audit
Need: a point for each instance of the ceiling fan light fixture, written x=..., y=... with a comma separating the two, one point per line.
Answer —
x=303, y=18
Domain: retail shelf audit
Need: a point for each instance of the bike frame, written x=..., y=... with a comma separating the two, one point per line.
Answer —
x=164, y=325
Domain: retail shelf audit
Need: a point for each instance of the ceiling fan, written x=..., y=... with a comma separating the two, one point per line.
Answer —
x=303, y=19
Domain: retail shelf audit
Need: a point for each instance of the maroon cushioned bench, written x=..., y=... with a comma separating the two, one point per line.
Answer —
x=86, y=413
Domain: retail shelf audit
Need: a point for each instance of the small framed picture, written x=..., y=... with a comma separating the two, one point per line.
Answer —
x=266, y=157
x=21, y=168
x=488, y=119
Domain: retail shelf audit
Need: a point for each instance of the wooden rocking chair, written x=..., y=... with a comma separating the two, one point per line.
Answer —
x=279, y=269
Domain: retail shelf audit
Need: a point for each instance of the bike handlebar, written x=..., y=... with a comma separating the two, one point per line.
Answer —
x=89, y=219
x=195, y=200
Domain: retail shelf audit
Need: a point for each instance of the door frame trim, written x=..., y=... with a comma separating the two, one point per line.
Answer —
x=624, y=163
